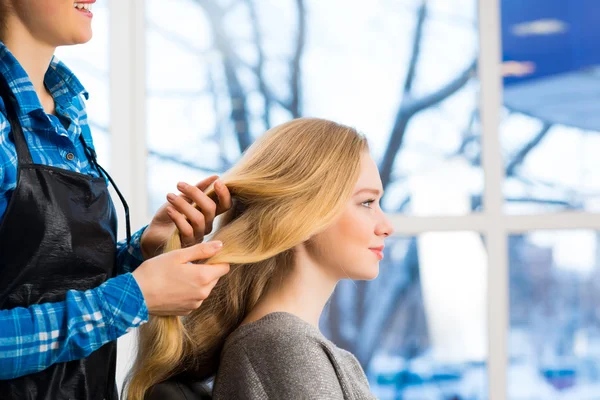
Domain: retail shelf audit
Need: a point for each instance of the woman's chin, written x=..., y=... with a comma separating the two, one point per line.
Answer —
x=79, y=35
x=368, y=274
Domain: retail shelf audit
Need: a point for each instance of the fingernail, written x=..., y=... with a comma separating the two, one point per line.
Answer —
x=171, y=197
x=217, y=183
x=216, y=244
x=181, y=185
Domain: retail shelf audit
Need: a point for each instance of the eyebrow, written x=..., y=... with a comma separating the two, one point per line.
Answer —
x=376, y=192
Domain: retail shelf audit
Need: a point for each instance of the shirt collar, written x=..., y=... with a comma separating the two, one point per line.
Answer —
x=60, y=81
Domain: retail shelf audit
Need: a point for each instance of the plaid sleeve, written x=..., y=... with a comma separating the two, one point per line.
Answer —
x=34, y=338
x=129, y=257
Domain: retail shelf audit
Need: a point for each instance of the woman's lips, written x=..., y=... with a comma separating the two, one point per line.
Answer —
x=378, y=251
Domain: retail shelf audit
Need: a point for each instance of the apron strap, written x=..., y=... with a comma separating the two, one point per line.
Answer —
x=92, y=157
x=23, y=154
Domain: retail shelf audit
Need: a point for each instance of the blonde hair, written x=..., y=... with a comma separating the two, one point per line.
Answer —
x=289, y=185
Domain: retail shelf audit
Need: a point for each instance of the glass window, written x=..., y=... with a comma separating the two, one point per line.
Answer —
x=403, y=73
x=550, y=129
x=419, y=329
x=554, y=346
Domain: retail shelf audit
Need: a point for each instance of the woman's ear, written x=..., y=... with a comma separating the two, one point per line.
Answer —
x=304, y=248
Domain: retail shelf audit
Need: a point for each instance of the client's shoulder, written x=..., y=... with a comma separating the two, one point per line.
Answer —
x=276, y=331
x=275, y=327
x=280, y=355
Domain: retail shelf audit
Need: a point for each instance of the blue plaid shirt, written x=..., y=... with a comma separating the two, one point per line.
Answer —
x=33, y=338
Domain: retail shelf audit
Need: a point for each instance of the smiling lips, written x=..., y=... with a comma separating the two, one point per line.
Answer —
x=84, y=7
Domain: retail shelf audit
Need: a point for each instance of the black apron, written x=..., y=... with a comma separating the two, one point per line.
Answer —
x=58, y=233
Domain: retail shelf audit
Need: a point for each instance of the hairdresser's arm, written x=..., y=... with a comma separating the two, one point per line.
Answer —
x=36, y=337
x=129, y=256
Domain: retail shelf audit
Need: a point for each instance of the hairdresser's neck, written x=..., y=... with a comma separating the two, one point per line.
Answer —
x=304, y=293
x=33, y=55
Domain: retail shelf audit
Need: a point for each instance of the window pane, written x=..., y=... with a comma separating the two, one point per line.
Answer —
x=221, y=73
x=90, y=63
x=550, y=130
x=419, y=329
x=554, y=319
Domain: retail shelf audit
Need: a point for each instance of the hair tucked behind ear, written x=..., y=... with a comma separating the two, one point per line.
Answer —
x=288, y=186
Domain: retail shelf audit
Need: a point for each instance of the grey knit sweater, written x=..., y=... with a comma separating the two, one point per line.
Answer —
x=281, y=356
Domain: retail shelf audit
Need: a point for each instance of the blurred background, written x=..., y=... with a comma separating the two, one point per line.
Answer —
x=490, y=287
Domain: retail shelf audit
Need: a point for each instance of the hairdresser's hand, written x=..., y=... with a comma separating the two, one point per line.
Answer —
x=171, y=285
x=178, y=212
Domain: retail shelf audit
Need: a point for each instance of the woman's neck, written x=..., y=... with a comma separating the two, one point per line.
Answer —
x=303, y=292
x=33, y=55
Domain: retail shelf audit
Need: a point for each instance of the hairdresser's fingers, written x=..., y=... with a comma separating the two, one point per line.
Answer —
x=186, y=232
x=204, y=292
x=224, y=197
x=200, y=251
x=212, y=284
x=195, y=220
x=205, y=274
x=202, y=185
x=204, y=204
x=205, y=183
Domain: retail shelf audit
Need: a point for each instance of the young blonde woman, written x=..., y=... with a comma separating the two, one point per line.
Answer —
x=305, y=215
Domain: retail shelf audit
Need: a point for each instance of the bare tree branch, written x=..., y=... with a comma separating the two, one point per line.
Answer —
x=520, y=156
x=187, y=46
x=374, y=323
x=217, y=135
x=572, y=205
x=262, y=86
x=416, y=50
x=408, y=83
x=452, y=87
x=296, y=83
x=237, y=95
x=538, y=182
x=177, y=160
x=445, y=17
x=468, y=136
x=404, y=204
x=411, y=107
x=164, y=157
x=372, y=327
x=538, y=200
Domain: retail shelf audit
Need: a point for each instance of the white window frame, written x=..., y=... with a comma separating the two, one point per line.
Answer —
x=128, y=130
x=127, y=105
x=129, y=165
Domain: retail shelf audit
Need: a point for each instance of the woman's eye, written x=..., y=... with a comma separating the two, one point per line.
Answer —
x=368, y=203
